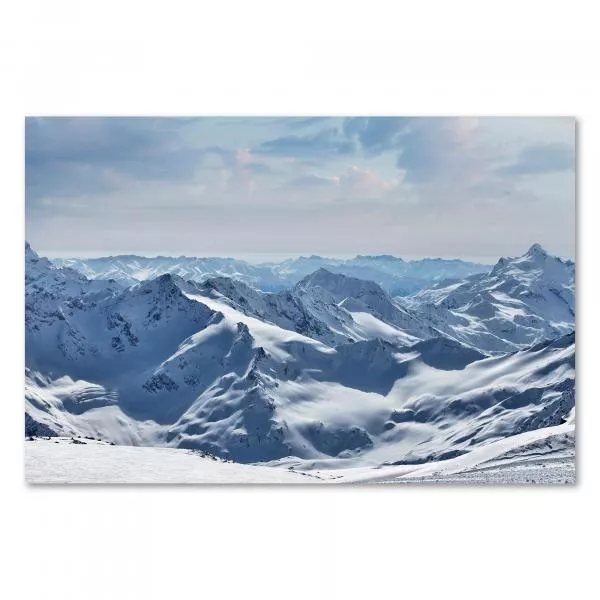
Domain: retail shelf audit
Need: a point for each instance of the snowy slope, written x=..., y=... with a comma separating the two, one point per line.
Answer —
x=545, y=455
x=434, y=413
x=361, y=297
x=334, y=309
x=60, y=461
x=542, y=456
x=333, y=372
x=520, y=302
x=304, y=399
x=110, y=334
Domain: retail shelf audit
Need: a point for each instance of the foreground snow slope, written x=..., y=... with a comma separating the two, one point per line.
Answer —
x=543, y=456
x=549, y=452
x=62, y=461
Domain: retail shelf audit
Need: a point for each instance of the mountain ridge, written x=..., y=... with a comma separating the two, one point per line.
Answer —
x=396, y=275
x=332, y=369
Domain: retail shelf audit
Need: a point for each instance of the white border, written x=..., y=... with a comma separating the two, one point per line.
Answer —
x=461, y=57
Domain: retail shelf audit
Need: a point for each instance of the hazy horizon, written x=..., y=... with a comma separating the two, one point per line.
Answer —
x=251, y=258
x=271, y=257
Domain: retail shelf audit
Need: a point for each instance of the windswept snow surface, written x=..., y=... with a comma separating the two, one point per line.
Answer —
x=332, y=373
x=544, y=456
x=60, y=460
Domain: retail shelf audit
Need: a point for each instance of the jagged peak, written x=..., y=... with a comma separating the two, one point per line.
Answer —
x=223, y=282
x=318, y=276
x=535, y=253
x=322, y=275
x=339, y=285
x=536, y=250
x=501, y=264
x=243, y=329
x=30, y=253
x=167, y=280
x=165, y=283
x=36, y=266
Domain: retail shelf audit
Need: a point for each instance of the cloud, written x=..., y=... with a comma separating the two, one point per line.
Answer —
x=137, y=143
x=364, y=183
x=327, y=142
x=236, y=176
x=66, y=157
x=302, y=122
x=438, y=181
x=440, y=148
x=313, y=181
x=229, y=158
x=538, y=159
x=74, y=155
x=376, y=134
x=260, y=168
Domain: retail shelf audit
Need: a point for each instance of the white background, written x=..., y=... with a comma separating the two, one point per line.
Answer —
x=258, y=57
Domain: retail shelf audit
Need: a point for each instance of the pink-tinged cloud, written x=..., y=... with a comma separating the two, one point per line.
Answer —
x=242, y=157
x=365, y=183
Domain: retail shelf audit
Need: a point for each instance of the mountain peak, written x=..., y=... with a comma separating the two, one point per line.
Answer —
x=322, y=271
x=536, y=250
x=321, y=274
x=166, y=279
x=341, y=286
x=536, y=254
x=29, y=252
x=163, y=284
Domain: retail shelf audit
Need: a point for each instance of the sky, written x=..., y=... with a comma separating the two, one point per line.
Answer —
x=264, y=187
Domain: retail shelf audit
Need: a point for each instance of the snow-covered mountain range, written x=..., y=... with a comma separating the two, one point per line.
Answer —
x=519, y=302
x=328, y=369
x=395, y=275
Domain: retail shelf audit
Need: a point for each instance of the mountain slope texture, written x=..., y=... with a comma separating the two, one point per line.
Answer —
x=311, y=364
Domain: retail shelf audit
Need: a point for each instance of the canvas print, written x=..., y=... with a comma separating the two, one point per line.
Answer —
x=300, y=300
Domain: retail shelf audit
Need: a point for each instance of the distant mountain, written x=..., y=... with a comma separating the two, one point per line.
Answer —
x=366, y=301
x=332, y=308
x=520, y=302
x=332, y=369
x=396, y=276
x=131, y=269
